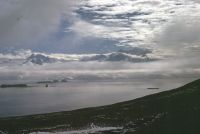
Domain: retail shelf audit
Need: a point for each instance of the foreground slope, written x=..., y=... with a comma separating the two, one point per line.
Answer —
x=170, y=112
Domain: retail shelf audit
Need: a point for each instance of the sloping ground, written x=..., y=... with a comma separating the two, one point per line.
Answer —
x=171, y=112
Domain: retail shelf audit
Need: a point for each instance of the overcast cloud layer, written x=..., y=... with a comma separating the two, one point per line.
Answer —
x=170, y=28
x=136, y=22
x=24, y=22
x=66, y=24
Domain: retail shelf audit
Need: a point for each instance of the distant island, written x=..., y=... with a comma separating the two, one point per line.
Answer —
x=13, y=85
x=171, y=112
x=152, y=88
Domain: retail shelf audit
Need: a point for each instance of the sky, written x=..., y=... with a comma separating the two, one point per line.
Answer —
x=169, y=28
x=76, y=26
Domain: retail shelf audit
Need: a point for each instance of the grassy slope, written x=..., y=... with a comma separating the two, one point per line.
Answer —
x=171, y=112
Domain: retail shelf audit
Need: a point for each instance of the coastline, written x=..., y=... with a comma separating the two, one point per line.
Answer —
x=138, y=114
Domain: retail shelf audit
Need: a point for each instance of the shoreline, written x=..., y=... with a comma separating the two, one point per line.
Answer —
x=130, y=114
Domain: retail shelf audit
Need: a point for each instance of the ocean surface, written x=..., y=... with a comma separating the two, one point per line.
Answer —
x=77, y=94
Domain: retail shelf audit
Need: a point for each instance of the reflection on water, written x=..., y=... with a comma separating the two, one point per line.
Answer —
x=78, y=94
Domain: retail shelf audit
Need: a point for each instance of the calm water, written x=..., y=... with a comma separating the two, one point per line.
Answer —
x=77, y=94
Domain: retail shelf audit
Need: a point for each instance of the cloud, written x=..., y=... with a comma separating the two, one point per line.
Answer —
x=28, y=21
x=181, y=37
x=102, y=70
x=14, y=70
x=84, y=29
x=132, y=23
x=124, y=23
x=174, y=24
x=17, y=54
